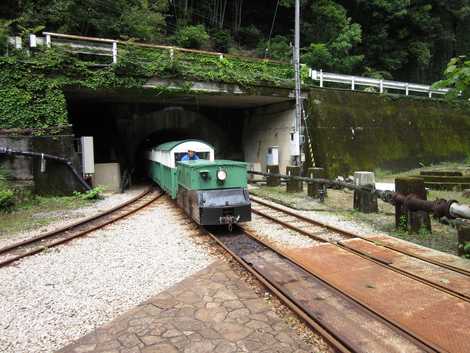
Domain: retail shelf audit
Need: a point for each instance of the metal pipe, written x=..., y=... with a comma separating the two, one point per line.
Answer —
x=318, y=181
x=439, y=208
x=10, y=152
x=457, y=210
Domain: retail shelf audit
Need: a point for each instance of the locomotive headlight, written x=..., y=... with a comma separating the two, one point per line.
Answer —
x=221, y=175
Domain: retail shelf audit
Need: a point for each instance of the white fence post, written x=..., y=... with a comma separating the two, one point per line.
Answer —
x=172, y=54
x=48, y=40
x=321, y=78
x=381, y=86
x=407, y=89
x=353, y=84
x=115, y=52
x=33, y=41
x=18, y=43
x=430, y=94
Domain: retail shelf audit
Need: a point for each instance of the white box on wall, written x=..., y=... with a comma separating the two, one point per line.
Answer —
x=88, y=155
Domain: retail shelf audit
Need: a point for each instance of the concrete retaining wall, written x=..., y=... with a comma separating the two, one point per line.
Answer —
x=363, y=131
x=58, y=179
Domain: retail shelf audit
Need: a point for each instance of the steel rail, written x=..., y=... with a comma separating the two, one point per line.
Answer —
x=70, y=228
x=399, y=327
x=358, y=252
x=335, y=340
x=296, y=308
x=354, y=235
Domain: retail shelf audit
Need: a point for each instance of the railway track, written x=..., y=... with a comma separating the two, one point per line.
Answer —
x=457, y=281
x=394, y=284
x=346, y=324
x=34, y=245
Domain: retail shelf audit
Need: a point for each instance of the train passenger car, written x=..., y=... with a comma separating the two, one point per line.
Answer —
x=211, y=192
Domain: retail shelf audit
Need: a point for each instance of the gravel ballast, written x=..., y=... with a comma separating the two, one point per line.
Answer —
x=333, y=219
x=53, y=298
x=274, y=233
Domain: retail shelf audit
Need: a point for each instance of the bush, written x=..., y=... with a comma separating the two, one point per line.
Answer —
x=93, y=194
x=7, y=200
x=222, y=40
x=278, y=49
x=249, y=36
x=194, y=37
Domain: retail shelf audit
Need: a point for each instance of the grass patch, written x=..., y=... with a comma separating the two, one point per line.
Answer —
x=389, y=176
x=37, y=212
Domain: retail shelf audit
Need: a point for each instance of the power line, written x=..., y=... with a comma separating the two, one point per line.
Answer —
x=271, y=31
x=274, y=20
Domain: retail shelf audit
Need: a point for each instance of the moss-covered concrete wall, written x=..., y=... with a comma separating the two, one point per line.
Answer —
x=363, y=131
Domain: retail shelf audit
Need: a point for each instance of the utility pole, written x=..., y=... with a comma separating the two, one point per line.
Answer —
x=298, y=94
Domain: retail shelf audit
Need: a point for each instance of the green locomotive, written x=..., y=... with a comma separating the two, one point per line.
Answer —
x=211, y=192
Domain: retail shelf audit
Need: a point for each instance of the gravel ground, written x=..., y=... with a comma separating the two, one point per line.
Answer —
x=51, y=299
x=332, y=219
x=271, y=232
x=72, y=216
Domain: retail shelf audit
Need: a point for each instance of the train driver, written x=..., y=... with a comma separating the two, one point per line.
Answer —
x=190, y=156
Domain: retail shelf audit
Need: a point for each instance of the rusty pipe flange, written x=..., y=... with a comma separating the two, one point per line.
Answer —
x=397, y=198
x=441, y=208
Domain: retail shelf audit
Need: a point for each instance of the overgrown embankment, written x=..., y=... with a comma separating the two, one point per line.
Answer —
x=362, y=131
x=31, y=86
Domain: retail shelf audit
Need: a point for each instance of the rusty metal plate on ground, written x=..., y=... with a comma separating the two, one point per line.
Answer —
x=440, y=276
x=431, y=314
x=356, y=327
x=421, y=251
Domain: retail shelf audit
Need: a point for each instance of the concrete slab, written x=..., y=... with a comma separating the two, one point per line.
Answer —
x=211, y=311
x=108, y=175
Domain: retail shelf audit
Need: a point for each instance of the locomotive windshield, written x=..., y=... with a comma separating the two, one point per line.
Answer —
x=201, y=155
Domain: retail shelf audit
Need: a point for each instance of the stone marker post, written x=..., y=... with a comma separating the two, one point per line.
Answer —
x=364, y=201
x=463, y=238
x=293, y=185
x=314, y=189
x=413, y=221
x=270, y=180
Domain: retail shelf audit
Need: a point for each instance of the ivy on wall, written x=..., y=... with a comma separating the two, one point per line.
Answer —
x=31, y=86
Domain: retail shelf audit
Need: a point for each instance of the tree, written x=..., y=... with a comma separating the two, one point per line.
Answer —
x=141, y=19
x=332, y=36
x=457, y=78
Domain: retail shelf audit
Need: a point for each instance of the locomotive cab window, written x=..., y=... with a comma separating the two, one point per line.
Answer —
x=201, y=155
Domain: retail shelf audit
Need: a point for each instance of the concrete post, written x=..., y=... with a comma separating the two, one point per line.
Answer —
x=314, y=189
x=273, y=181
x=413, y=221
x=463, y=239
x=294, y=185
x=364, y=201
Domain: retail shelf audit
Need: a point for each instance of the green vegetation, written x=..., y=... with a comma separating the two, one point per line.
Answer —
x=7, y=197
x=194, y=37
x=406, y=40
x=457, y=77
x=37, y=212
x=93, y=194
x=31, y=87
x=20, y=210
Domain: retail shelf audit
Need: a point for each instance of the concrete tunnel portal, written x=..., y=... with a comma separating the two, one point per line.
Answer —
x=126, y=124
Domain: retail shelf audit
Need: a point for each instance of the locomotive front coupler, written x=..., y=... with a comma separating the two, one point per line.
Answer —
x=229, y=221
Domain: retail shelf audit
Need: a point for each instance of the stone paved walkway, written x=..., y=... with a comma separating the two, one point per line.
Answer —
x=211, y=311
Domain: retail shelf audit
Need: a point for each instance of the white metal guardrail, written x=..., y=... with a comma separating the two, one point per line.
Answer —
x=381, y=85
x=109, y=47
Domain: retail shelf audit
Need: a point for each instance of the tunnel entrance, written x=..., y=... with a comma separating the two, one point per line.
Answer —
x=124, y=125
x=154, y=139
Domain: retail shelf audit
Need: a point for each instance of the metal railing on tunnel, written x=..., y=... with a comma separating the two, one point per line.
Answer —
x=381, y=85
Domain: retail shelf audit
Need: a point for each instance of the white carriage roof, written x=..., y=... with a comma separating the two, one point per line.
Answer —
x=168, y=146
